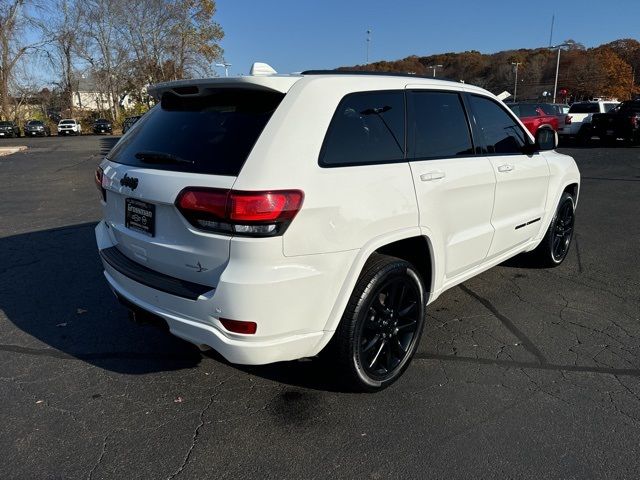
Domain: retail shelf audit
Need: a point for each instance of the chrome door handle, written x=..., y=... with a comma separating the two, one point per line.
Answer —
x=505, y=168
x=427, y=177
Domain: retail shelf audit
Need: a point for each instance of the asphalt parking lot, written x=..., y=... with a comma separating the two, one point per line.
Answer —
x=521, y=373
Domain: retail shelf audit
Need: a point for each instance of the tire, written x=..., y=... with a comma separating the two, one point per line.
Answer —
x=380, y=329
x=554, y=247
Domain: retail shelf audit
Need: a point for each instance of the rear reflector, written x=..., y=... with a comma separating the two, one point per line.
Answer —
x=238, y=326
x=258, y=214
x=98, y=179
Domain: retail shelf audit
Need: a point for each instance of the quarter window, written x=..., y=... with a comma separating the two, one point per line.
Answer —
x=438, y=126
x=502, y=135
x=367, y=127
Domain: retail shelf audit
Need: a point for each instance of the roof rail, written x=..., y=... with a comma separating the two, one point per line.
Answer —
x=377, y=73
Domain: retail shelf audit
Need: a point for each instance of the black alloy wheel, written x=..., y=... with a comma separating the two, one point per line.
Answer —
x=390, y=327
x=381, y=326
x=563, y=230
x=554, y=247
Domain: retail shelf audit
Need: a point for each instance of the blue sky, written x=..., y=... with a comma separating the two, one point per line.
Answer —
x=298, y=35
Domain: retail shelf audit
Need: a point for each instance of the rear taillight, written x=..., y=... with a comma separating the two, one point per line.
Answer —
x=98, y=178
x=254, y=214
x=239, y=326
x=634, y=122
x=567, y=120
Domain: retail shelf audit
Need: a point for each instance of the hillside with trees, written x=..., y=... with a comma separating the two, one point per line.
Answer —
x=610, y=70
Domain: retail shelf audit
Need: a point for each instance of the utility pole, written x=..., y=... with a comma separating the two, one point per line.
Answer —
x=434, y=67
x=368, y=43
x=515, y=83
x=553, y=19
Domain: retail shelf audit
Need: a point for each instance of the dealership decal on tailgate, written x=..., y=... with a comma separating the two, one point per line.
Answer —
x=140, y=216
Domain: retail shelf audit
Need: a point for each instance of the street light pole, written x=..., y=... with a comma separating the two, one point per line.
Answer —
x=515, y=83
x=434, y=67
x=368, y=43
x=555, y=85
x=226, y=67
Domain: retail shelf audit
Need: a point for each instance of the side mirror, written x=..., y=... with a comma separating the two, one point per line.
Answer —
x=546, y=139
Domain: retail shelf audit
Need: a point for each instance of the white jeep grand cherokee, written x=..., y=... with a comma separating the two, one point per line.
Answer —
x=272, y=217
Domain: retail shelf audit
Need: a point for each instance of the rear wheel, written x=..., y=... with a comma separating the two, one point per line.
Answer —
x=555, y=245
x=381, y=327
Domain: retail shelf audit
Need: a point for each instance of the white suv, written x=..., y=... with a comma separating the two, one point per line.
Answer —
x=272, y=217
x=581, y=114
x=69, y=126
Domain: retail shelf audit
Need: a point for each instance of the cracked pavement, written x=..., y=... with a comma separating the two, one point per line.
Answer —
x=521, y=372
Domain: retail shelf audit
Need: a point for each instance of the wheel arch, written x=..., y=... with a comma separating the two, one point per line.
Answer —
x=403, y=244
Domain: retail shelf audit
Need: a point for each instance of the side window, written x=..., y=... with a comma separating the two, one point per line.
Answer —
x=438, y=126
x=368, y=127
x=501, y=134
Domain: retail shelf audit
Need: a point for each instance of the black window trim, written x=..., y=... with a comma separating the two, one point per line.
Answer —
x=323, y=164
x=465, y=107
x=483, y=141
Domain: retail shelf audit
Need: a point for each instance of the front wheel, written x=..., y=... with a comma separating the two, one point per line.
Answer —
x=381, y=326
x=555, y=245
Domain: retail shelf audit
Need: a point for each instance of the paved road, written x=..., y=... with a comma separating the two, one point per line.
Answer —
x=521, y=373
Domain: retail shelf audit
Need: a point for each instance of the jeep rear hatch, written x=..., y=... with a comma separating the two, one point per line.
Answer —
x=190, y=140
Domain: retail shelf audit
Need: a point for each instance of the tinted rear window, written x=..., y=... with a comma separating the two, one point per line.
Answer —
x=584, y=108
x=526, y=110
x=211, y=134
x=35, y=123
x=367, y=127
x=438, y=126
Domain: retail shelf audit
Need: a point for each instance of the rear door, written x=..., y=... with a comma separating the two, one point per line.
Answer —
x=522, y=180
x=454, y=186
x=185, y=141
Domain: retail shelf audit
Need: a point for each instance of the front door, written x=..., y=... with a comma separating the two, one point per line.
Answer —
x=522, y=179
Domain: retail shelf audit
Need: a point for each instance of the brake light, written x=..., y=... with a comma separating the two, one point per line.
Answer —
x=239, y=326
x=98, y=179
x=567, y=120
x=258, y=214
x=634, y=122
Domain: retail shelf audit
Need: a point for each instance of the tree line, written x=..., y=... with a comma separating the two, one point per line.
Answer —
x=121, y=45
x=611, y=70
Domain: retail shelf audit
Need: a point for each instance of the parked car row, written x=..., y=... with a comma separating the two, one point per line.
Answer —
x=66, y=126
x=580, y=122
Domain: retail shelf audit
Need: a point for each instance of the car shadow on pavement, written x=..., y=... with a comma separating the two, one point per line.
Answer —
x=53, y=289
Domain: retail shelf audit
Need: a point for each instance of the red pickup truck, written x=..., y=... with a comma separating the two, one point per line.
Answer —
x=533, y=117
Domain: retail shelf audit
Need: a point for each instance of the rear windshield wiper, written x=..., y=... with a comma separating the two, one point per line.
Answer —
x=160, y=157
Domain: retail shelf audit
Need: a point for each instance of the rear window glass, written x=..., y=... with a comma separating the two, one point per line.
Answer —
x=525, y=110
x=610, y=106
x=584, y=108
x=367, y=127
x=34, y=123
x=211, y=134
x=438, y=126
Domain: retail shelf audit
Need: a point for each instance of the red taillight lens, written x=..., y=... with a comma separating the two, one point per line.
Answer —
x=634, y=122
x=98, y=179
x=238, y=326
x=260, y=214
x=264, y=206
x=567, y=120
x=211, y=201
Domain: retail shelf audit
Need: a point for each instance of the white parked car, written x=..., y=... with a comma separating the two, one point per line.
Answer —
x=69, y=126
x=581, y=114
x=272, y=217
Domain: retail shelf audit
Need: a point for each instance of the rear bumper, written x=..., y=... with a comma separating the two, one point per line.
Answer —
x=291, y=303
